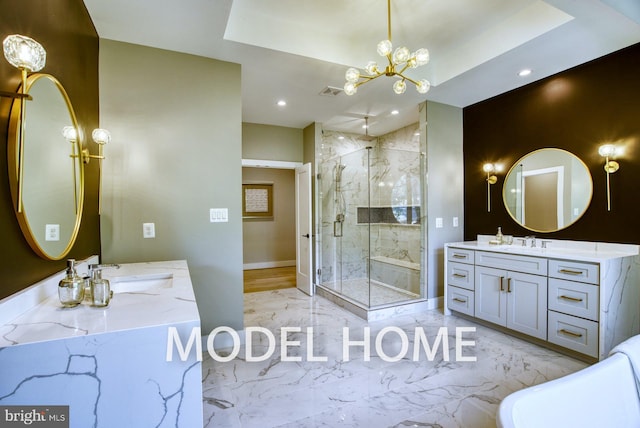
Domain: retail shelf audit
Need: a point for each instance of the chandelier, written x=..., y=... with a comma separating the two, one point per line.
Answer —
x=398, y=62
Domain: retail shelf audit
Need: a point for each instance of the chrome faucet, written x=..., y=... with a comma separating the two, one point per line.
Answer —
x=533, y=240
x=98, y=267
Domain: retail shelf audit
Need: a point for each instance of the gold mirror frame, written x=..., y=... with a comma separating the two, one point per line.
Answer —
x=573, y=188
x=37, y=241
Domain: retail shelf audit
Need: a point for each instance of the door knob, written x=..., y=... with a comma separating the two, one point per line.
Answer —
x=306, y=236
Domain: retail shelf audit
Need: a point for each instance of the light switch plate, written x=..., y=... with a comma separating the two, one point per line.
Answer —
x=455, y=222
x=439, y=222
x=219, y=215
x=52, y=232
x=148, y=230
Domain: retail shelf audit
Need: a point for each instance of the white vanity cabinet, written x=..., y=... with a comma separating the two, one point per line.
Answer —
x=583, y=297
x=514, y=300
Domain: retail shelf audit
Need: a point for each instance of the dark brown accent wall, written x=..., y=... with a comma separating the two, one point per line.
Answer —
x=66, y=31
x=576, y=110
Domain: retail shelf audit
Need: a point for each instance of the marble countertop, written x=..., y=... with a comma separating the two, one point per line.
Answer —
x=145, y=295
x=595, y=252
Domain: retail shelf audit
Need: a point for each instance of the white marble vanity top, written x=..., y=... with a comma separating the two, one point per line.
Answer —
x=596, y=252
x=145, y=295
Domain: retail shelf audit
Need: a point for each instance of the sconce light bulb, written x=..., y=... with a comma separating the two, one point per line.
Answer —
x=70, y=133
x=488, y=167
x=607, y=150
x=101, y=136
x=24, y=53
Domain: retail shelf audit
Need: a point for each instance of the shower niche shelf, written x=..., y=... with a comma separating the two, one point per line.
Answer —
x=408, y=215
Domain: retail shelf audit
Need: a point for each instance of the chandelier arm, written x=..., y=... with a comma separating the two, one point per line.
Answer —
x=389, y=20
x=408, y=78
x=369, y=79
x=403, y=69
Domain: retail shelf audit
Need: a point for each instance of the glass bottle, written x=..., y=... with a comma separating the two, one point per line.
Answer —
x=71, y=287
x=100, y=290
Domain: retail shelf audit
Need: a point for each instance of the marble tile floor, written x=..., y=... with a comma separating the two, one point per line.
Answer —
x=375, y=294
x=354, y=392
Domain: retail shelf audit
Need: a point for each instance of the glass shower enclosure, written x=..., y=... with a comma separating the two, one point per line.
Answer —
x=371, y=225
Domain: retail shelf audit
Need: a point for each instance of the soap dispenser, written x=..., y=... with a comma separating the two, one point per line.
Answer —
x=499, y=236
x=71, y=287
x=100, y=289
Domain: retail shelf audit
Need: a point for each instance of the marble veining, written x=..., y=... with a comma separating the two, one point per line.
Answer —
x=48, y=320
x=374, y=393
x=109, y=365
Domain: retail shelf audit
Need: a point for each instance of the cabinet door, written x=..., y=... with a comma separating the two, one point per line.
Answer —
x=527, y=304
x=490, y=295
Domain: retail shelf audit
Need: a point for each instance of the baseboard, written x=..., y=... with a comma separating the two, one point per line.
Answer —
x=267, y=265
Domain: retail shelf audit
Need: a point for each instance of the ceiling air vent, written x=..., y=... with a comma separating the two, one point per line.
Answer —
x=331, y=91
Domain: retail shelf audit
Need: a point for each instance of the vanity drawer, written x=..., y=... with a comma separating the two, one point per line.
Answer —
x=575, y=271
x=574, y=298
x=460, y=255
x=573, y=333
x=460, y=300
x=460, y=275
x=526, y=264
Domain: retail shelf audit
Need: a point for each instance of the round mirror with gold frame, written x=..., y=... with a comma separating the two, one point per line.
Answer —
x=45, y=169
x=547, y=190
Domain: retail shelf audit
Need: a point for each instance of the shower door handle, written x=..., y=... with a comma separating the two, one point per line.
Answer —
x=337, y=229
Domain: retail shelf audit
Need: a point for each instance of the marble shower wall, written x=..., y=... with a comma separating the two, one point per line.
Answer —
x=388, y=174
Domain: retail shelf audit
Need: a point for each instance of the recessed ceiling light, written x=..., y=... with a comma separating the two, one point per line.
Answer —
x=282, y=103
x=394, y=112
x=364, y=126
x=525, y=72
x=341, y=137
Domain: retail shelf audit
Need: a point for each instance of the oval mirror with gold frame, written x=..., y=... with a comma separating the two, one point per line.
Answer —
x=51, y=183
x=547, y=190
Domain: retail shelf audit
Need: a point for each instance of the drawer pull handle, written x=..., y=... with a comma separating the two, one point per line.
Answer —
x=459, y=256
x=573, y=299
x=571, y=272
x=459, y=275
x=501, y=283
x=570, y=333
x=508, y=285
x=455, y=299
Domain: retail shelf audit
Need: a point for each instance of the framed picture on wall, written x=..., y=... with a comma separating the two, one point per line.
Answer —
x=257, y=200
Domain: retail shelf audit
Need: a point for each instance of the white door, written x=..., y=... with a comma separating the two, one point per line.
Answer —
x=304, y=265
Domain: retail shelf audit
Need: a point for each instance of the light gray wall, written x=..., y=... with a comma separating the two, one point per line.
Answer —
x=267, y=142
x=274, y=239
x=445, y=186
x=176, y=152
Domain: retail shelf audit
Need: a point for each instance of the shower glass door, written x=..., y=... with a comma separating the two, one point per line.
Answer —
x=344, y=187
x=371, y=224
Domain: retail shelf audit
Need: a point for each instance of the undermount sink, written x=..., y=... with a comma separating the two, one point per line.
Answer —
x=141, y=283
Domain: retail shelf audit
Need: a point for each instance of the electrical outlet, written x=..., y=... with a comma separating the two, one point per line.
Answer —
x=219, y=215
x=52, y=232
x=148, y=230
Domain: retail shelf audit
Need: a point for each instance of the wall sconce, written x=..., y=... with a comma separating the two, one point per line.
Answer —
x=610, y=166
x=491, y=169
x=100, y=137
x=27, y=55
